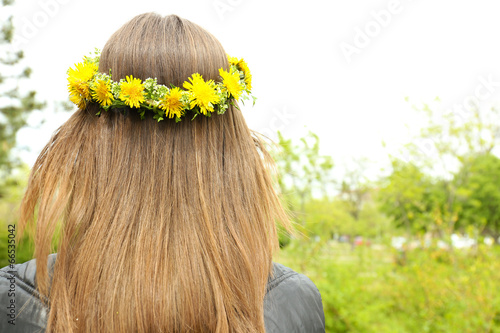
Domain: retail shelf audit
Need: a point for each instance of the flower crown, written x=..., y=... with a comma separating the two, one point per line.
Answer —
x=87, y=85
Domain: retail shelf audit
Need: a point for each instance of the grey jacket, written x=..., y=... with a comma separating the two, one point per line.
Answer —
x=292, y=303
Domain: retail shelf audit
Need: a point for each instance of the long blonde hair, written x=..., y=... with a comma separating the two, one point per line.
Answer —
x=161, y=227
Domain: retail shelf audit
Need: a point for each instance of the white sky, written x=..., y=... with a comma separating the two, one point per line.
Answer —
x=301, y=76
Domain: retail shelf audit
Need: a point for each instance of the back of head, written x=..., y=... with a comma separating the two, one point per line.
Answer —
x=161, y=226
x=168, y=48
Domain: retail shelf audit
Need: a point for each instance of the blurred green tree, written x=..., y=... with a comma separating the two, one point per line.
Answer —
x=324, y=206
x=445, y=179
x=303, y=172
x=15, y=104
x=479, y=194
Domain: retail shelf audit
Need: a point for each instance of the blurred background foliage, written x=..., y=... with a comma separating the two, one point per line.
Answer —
x=16, y=105
x=415, y=249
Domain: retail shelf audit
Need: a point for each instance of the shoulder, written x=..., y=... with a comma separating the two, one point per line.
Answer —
x=19, y=300
x=292, y=303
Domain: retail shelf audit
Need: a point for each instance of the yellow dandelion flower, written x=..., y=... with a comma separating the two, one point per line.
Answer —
x=171, y=103
x=78, y=82
x=244, y=68
x=233, y=60
x=203, y=94
x=248, y=76
x=132, y=92
x=78, y=100
x=232, y=83
x=101, y=92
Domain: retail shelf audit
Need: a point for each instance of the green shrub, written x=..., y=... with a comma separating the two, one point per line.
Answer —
x=369, y=290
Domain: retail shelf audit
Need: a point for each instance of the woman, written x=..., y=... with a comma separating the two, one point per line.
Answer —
x=162, y=224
